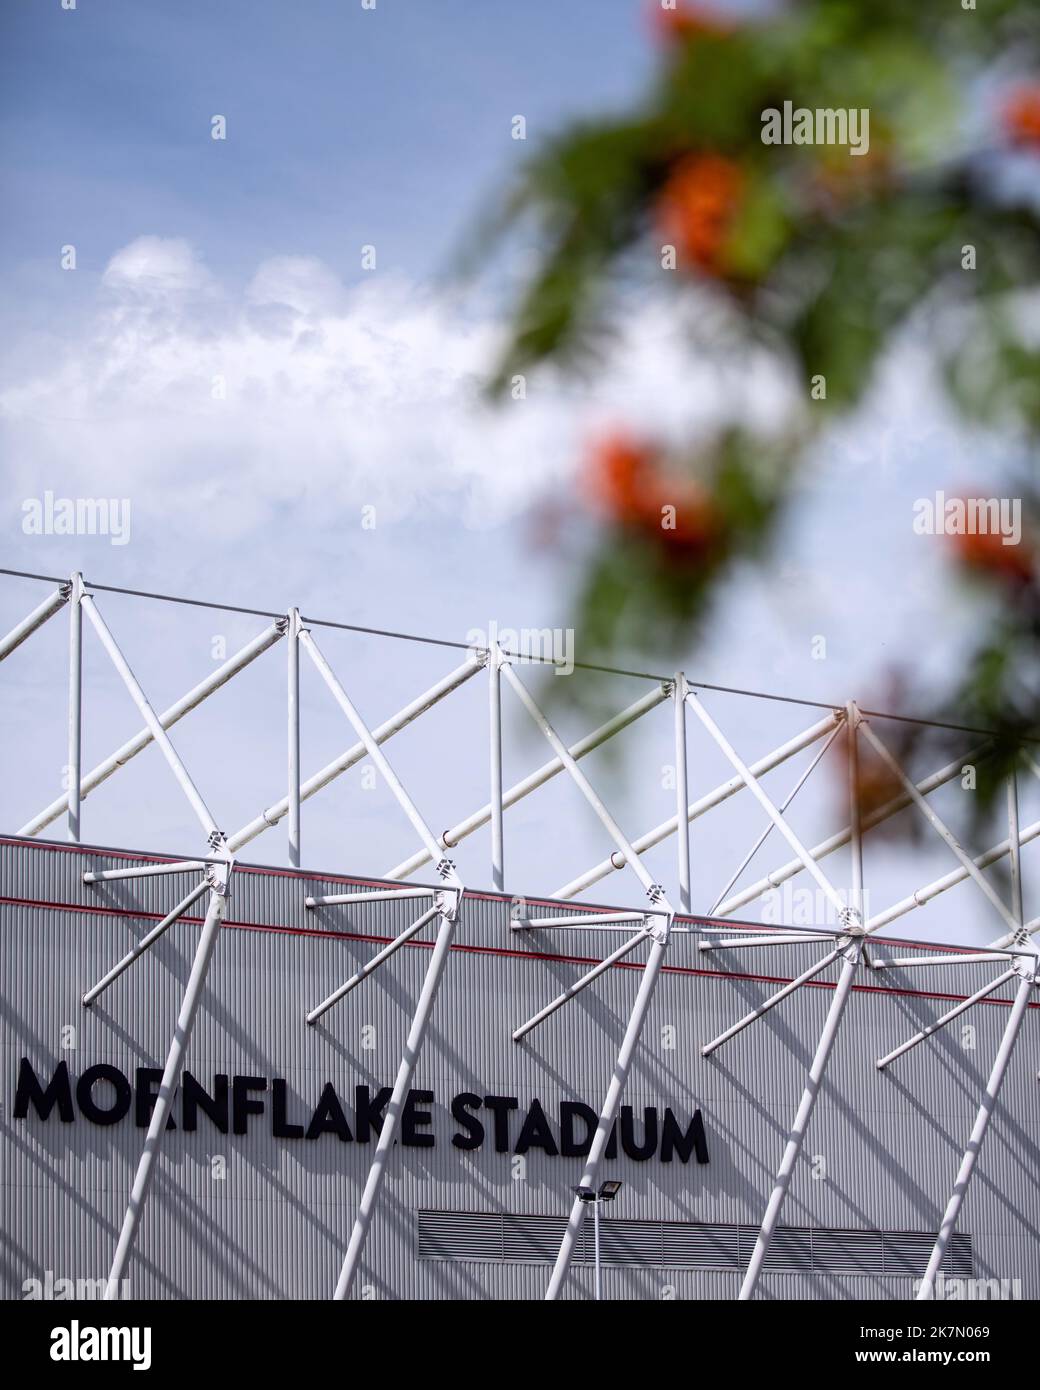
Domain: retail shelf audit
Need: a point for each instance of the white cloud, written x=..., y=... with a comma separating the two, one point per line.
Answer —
x=301, y=388
x=156, y=266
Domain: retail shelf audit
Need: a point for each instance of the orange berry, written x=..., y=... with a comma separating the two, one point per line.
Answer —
x=686, y=21
x=986, y=552
x=697, y=206
x=1021, y=117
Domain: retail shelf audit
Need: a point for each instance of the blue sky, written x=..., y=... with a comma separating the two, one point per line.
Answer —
x=239, y=261
x=345, y=125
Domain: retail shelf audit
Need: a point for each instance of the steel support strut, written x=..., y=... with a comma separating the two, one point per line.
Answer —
x=751, y=782
x=371, y=965
x=495, y=752
x=612, y=1100
x=796, y=1138
x=985, y=1113
x=702, y=806
x=219, y=885
x=292, y=633
x=413, y=1046
x=534, y=780
x=274, y=813
x=682, y=791
x=947, y=1017
x=35, y=619
x=1028, y=971
x=75, y=702
x=160, y=735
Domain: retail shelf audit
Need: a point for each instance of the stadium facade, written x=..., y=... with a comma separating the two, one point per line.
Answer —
x=258, y=1181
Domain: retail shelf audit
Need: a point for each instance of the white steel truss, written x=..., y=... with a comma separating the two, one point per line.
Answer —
x=1015, y=953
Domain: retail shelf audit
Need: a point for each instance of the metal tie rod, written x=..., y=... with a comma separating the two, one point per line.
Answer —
x=780, y=939
x=771, y=1002
x=944, y=1019
x=842, y=837
x=595, y=919
x=699, y=808
x=372, y=965
x=534, y=780
x=955, y=958
x=35, y=619
x=583, y=983
x=378, y=895
x=179, y=866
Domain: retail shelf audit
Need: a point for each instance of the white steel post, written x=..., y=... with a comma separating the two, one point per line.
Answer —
x=72, y=772
x=1015, y=846
x=595, y=1223
x=978, y=1133
x=1027, y=970
x=412, y=1048
x=682, y=791
x=170, y=1080
x=855, y=826
x=495, y=717
x=801, y=1120
x=590, y=1178
x=292, y=635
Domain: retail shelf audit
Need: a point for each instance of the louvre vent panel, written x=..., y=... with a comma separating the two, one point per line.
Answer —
x=478, y=1236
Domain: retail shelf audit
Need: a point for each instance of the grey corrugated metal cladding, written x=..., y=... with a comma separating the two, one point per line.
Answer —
x=258, y=1183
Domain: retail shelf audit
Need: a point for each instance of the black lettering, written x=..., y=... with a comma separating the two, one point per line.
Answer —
x=571, y=1110
x=329, y=1118
x=241, y=1106
x=535, y=1132
x=146, y=1093
x=369, y=1114
x=194, y=1097
x=85, y=1094
x=693, y=1141
x=500, y=1107
x=279, y=1125
x=412, y=1119
x=29, y=1091
x=640, y=1152
x=460, y=1106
